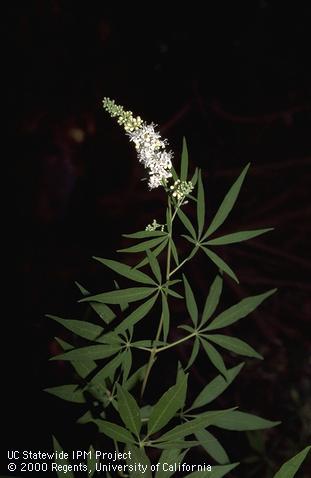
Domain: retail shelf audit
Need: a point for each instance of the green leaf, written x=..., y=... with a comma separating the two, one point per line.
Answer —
x=123, y=304
x=194, y=178
x=217, y=471
x=137, y=376
x=63, y=472
x=241, y=421
x=189, y=428
x=212, y=446
x=138, y=455
x=177, y=444
x=79, y=327
x=126, y=271
x=200, y=205
x=154, y=264
x=126, y=365
x=103, y=311
x=237, y=237
x=212, y=299
x=92, y=352
x=128, y=410
x=235, y=345
x=82, y=367
x=238, y=311
x=220, y=263
x=227, y=204
x=137, y=315
x=189, y=239
x=156, y=252
x=145, y=234
x=116, y=432
x=166, y=317
x=216, y=387
x=184, y=161
x=82, y=289
x=164, y=410
x=215, y=357
x=186, y=222
x=174, y=252
x=132, y=294
x=143, y=246
x=170, y=456
x=173, y=293
x=190, y=302
x=71, y=393
x=290, y=468
x=107, y=371
x=91, y=461
x=194, y=353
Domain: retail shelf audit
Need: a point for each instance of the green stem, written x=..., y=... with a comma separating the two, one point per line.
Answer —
x=180, y=341
x=168, y=266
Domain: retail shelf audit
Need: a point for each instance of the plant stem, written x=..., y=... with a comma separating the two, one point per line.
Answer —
x=168, y=267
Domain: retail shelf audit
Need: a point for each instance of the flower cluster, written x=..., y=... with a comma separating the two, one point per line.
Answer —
x=154, y=226
x=150, y=147
x=180, y=189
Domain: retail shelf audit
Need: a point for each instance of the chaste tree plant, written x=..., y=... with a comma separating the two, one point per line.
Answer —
x=114, y=368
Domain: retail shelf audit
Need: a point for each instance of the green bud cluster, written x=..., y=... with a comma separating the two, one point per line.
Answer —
x=125, y=118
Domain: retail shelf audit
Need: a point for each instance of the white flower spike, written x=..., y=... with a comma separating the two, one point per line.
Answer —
x=151, y=149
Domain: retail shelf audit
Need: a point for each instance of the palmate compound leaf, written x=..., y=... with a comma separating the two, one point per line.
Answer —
x=217, y=471
x=132, y=294
x=169, y=456
x=227, y=204
x=61, y=473
x=138, y=455
x=170, y=402
x=212, y=446
x=126, y=271
x=190, y=427
x=70, y=393
x=84, y=329
x=116, y=432
x=290, y=468
x=241, y=421
x=216, y=387
x=212, y=299
x=235, y=345
x=237, y=237
x=238, y=311
x=190, y=302
x=128, y=410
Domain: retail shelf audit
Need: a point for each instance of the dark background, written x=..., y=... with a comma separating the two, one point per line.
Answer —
x=233, y=78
